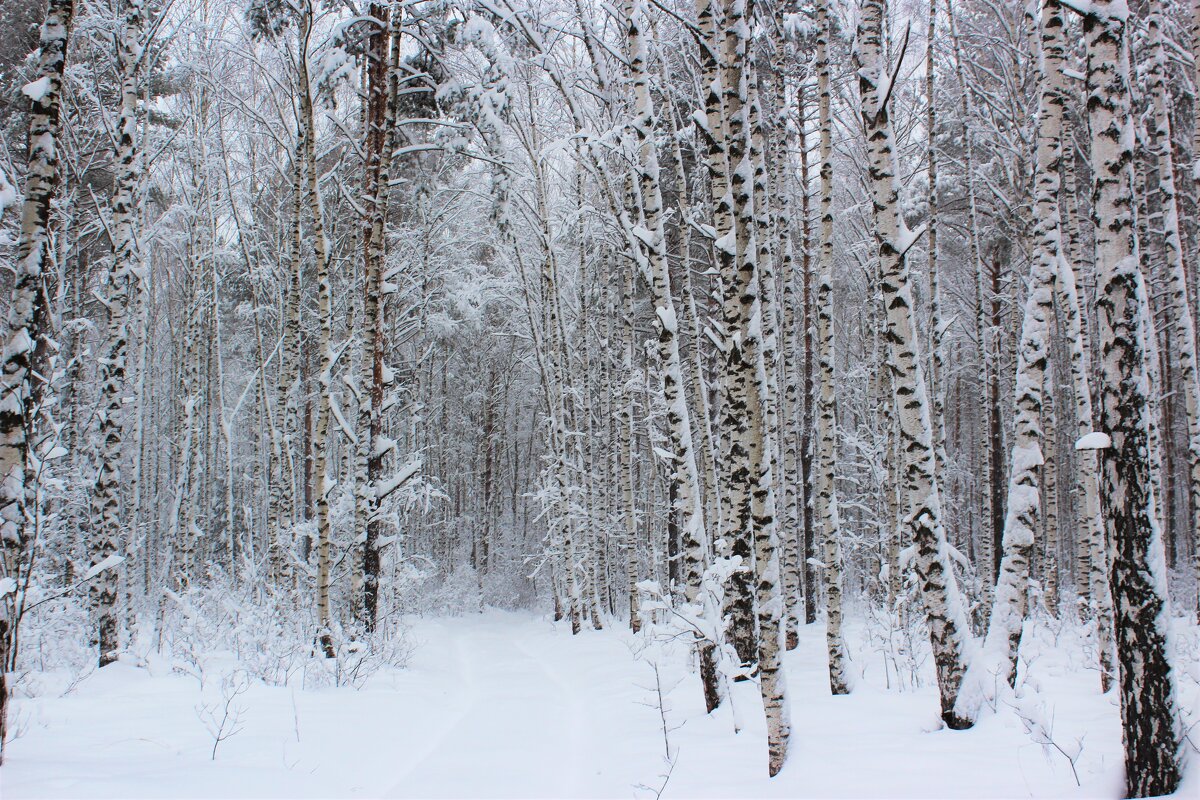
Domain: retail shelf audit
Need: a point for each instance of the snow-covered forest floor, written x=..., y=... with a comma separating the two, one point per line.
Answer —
x=508, y=704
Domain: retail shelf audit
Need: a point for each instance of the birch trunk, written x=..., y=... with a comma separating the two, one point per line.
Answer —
x=792, y=536
x=1177, y=274
x=948, y=631
x=931, y=242
x=625, y=428
x=126, y=268
x=22, y=390
x=719, y=133
x=826, y=499
x=750, y=520
x=1050, y=562
x=1148, y=714
x=281, y=514
x=325, y=313
x=685, y=478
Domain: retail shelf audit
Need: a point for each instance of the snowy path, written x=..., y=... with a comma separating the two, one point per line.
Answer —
x=509, y=705
x=521, y=724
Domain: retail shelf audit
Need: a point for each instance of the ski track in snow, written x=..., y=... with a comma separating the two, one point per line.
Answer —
x=506, y=718
x=463, y=704
x=510, y=705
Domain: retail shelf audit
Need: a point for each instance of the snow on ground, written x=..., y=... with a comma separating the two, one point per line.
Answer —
x=511, y=705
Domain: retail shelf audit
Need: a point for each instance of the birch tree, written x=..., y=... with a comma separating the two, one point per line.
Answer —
x=826, y=466
x=948, y=631
x=126, y=268
x=1148, y=719
x=1177, y=274
x=685, y=478
x=747, y=445
x=382, y=53
x=25, y=388
x=1025, y=503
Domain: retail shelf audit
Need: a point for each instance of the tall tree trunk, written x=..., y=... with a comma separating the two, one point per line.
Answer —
x=625, y=429
x=1177, y=276
x=720, y=136
x=1148, y=718
x=826, y=467
x=107, y=517
x=931, y=242
x=807, y=441
x=23, y=390
x=793, y=488
x=281, y=513
x=325, y=313
x=383, y=52
x=946, y=616
x=685, y=478
x=769, y=604
x=1050, y=561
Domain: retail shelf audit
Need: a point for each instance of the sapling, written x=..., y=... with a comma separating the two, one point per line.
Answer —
x=223, y=719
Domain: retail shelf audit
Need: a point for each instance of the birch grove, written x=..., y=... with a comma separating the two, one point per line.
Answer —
x=761, y=334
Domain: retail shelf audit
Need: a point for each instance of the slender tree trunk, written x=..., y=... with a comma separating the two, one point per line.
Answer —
x=931, y=242
x=1050, y=561
x=1148, y=714
x=826, y=468
x=23, y=390
x=807, y=449
x=625, y=428
x=792, y=479
x=107, y=517
x=325, y=376
x=946, y=616
x=1177, y=276
x=720, y=136
x=383, y=52
x=685, y=478
x=281, y=514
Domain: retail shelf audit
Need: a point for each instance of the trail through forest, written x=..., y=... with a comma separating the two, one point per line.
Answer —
x=511, y=705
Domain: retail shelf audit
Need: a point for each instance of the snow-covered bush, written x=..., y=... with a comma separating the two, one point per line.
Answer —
x=270, y=635
x=55, y=652
x=459, y=593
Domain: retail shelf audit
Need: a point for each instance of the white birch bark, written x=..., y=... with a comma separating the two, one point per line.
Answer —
x=684, y=473
x=1177, y=274
x=325, y=314
x=936, y=371
x=791, y=532
x=948, y=628
x=826, y=499
x=1050, y=561
x=747, y=443
x=126, y=268
x=1148, y=718
x=734, y=508
x=22, y=390
x=281, y=514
